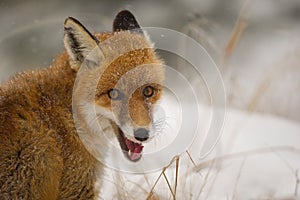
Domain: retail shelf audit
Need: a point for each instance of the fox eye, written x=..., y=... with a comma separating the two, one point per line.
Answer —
x=148, y=91
x=114, y=94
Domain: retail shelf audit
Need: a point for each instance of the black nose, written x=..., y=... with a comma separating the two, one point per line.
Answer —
x=141, y=134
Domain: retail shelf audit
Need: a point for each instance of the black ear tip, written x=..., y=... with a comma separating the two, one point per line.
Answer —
x=125, y=20
x=124, y=14
x=72, y=20
x=67, y=20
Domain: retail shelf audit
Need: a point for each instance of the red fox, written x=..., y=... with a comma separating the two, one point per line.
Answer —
x=41, y=154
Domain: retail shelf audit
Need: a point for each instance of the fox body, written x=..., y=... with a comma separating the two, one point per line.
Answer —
x=41, y=153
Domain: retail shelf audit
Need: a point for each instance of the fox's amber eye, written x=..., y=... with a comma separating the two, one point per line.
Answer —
x=148, y=91
x=114, y=94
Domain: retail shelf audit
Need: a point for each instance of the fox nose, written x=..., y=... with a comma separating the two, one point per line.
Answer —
x=141, y=134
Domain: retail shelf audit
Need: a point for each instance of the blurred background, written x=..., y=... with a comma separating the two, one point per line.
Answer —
x=256, y=46
x=254, y=43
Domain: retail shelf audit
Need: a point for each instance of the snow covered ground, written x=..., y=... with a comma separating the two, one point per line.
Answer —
x=257, y=157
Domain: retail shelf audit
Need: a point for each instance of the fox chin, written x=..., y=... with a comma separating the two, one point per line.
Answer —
x=112, y=79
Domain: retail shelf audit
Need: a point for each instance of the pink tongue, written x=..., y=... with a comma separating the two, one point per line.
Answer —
x=135, y=149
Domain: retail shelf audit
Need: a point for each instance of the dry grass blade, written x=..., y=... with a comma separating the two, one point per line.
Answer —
x=289, y=166
x=176, y=177
x=297, y=183
x=169, y=185
x=206, y=178
x=233, y=41
x=237, y=179
x=137, y=185
x=236, y=34
x=153, y=196
x=213, y=182
x=151, y=193
x=153, y=187
x=247, y=153
x=293, y=171
x=190, y=157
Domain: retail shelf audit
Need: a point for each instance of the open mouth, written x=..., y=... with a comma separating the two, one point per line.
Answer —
x=132, y=150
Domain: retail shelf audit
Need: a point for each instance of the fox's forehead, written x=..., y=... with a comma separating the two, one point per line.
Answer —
x=133, y=65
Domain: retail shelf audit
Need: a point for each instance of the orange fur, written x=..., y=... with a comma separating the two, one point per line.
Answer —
x=41, y=155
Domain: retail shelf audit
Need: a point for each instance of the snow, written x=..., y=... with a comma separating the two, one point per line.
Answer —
x=257, y=156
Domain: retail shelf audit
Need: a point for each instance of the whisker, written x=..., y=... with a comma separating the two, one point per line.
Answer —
x=160, y=129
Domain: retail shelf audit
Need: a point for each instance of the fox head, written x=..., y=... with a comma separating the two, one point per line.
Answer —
x=127, y=74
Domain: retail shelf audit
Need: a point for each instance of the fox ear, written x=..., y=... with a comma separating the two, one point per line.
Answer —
x=125, y=20
x=79, y=43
